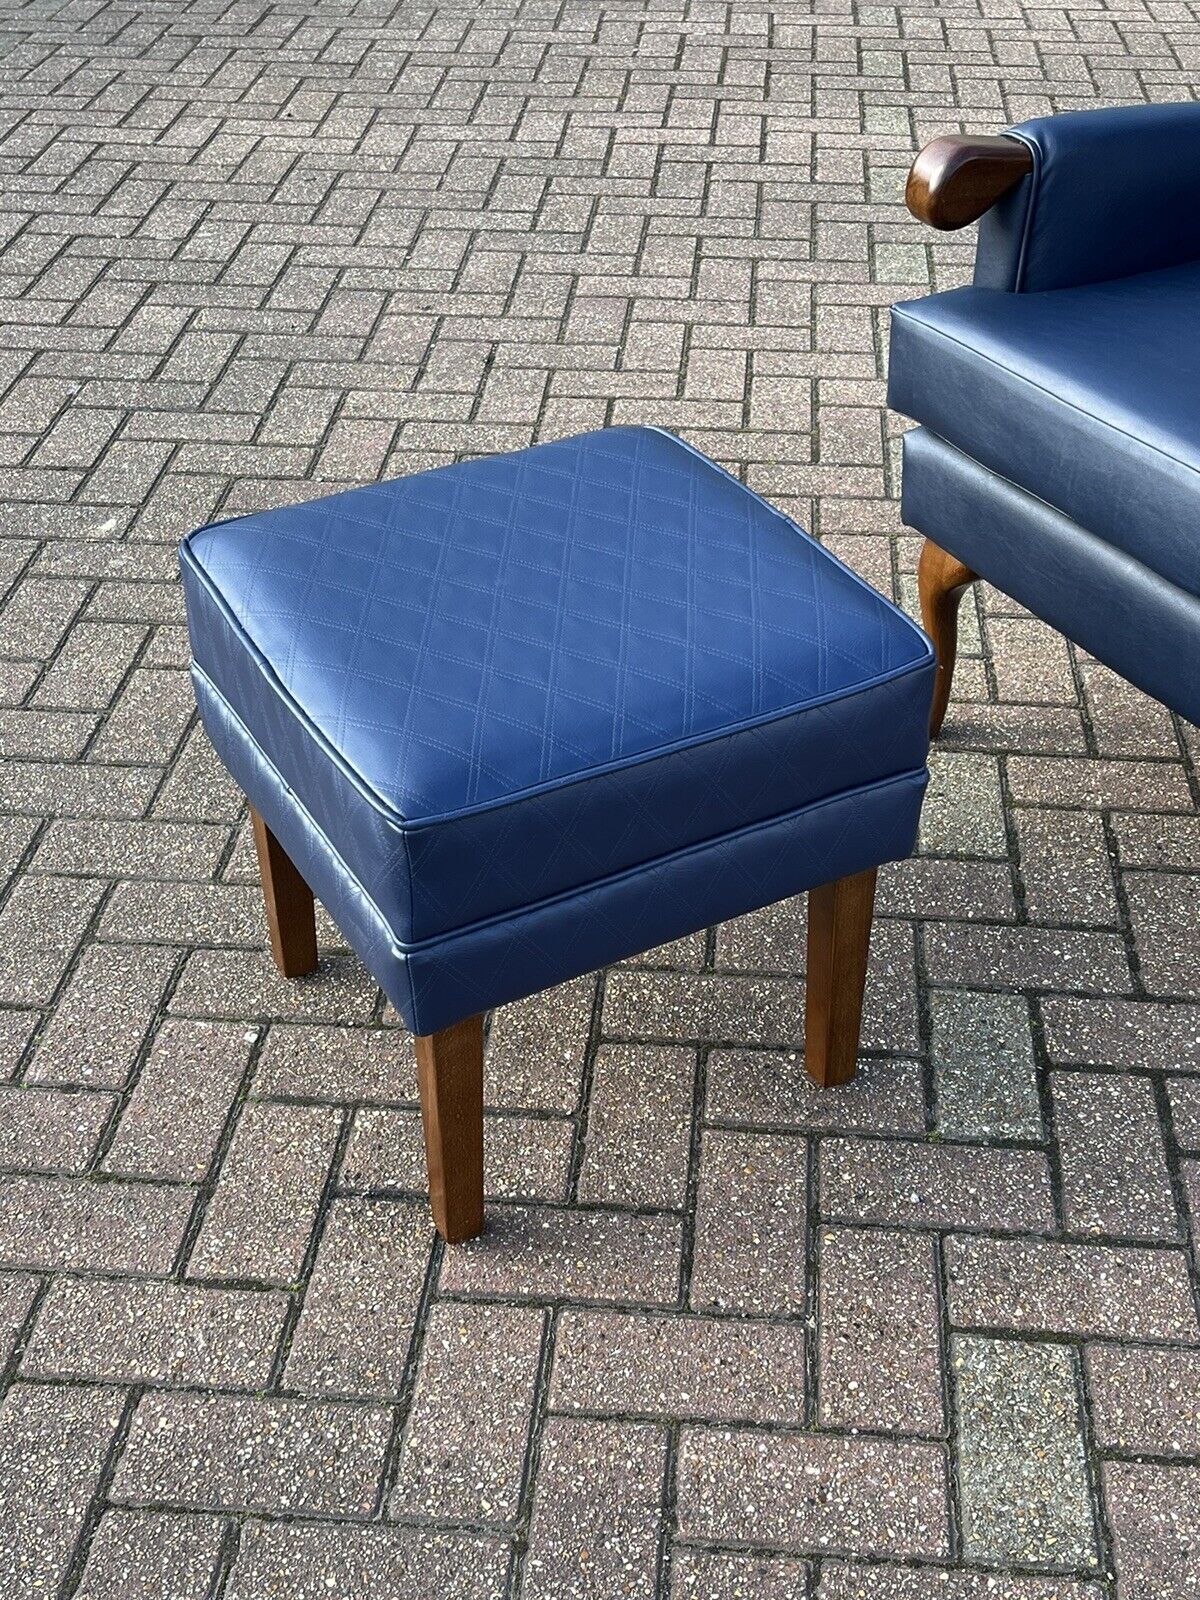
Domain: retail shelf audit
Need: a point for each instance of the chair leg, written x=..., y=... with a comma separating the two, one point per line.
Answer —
x=942, y=580
x=450, y=1076
x=291, y=916
x=839, y=936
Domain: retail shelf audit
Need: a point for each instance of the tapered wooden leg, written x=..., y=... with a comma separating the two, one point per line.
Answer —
x=942, y=581
x=450, y=1076
x=839, y=936
x=291, y=916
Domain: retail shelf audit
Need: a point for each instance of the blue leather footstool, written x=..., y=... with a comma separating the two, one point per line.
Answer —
x=515, y=719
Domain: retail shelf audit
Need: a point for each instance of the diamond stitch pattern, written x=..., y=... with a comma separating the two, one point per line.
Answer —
x=468, y=633
x=503, y=682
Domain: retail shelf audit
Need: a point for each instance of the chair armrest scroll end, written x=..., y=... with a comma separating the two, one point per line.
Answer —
x=958, y=177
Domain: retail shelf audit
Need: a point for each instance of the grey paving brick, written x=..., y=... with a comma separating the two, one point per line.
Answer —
x=17, y=1293
x=180, y=1104
x=1026, y=958
x=53, y=1443
x=1114, y=1169
x=38, y=615
x=230, y=1452
x=62, y=734
x=751, y=1207
x=1022, y=1477
x=806, y=1492
x=985, y=1078
x=924, y=886
x=879, y=1361
x=1116, y=1033
x=16, y=835
x=50, y=1130
x=1147, y=840
x=143, y=1332
x=16, y=1030
x=704, y=1007
x=1163, y=908
x=1124, y=721
x=772, y=1090
x=88, y=670
x=1098, y=1290
x=102, y=1016
x=41, y=925
x=536, y=1047
x=1184, y=1096
x=1032, y=662
x=147, y=721
x=152, y=1555
x=849, y=1581
x=237, y=984
x=78, y=1224
x=1044, y=730
x=544, y=1253
x=1152, y=1511
x=75, y=789
x=1189, y=1178
x=1065, y=867
x=639, y=1364
x=773, y=939
x=465, y=1439
x=310, y=1561
x=260, y=1217
x=338, y=1064
x=523, y=1157
x=963, y=811
x=639, y=1127
x=935, y=1185
x=197, y=787
x=192, y=913
x=1096, y=785
x=718, y=1576
x=1144, y=1400
x=353, y=1333
x=596, y=1510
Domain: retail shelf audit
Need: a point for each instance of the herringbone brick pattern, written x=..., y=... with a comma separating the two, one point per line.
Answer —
x=934, y=1335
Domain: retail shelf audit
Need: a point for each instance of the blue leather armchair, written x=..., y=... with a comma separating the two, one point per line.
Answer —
x=1058, y=452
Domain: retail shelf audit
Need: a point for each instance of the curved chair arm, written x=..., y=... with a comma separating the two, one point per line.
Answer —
x=1070, y=200
x=958, y=177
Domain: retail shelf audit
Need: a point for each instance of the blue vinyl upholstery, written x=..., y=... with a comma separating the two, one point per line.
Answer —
x=1059, y=396
x=519, y=717
x=1144, y=627
x=1111, y=193
x=1088, y=398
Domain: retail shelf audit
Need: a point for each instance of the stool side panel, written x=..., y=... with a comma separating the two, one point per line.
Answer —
x=441, y=981
x=618, y=917
x=465, y=869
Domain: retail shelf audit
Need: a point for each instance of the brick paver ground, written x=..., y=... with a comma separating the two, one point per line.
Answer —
x=934, y=1335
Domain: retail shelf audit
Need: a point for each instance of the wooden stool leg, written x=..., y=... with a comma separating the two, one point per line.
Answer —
x=291, y=917
x=942, y=580
x=839, y=936
x=450, y=1075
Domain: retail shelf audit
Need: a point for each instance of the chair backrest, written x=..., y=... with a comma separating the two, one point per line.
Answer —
x=1111, y=193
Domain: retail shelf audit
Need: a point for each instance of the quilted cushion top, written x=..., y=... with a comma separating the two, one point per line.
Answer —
x=476, y=632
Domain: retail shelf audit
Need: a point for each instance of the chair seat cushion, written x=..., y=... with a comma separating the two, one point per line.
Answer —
x=493, y=685
x=1087, y=398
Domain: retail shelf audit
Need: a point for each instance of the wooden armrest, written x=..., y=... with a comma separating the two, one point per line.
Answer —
x=958, y=177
